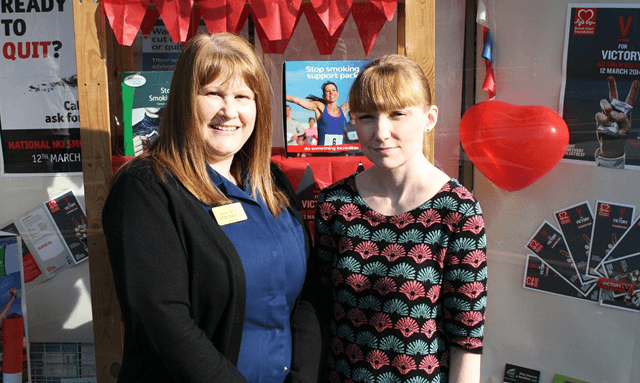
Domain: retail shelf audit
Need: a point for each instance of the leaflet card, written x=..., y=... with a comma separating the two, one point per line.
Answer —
x=628, y=244
x=611, y=222
x=539, y=276
x=576, y=223
x=625, y=269
x=549, y=244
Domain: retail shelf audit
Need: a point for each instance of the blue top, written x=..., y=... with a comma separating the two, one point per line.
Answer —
x=272, y=254
x=327, y=124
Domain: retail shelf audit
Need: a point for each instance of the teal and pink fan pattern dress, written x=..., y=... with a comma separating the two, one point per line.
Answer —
x=404, y=287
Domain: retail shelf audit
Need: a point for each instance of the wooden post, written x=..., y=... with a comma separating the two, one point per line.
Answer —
x=93, y=97
x=420, y=46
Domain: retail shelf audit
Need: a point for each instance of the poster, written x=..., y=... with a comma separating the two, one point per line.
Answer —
x=602, y=63
x=39, y=109
x=159, y=52
x=308, y=132
x=144, y=95
x=15, y=359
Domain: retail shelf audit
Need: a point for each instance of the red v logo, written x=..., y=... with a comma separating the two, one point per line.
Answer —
x=624, y=28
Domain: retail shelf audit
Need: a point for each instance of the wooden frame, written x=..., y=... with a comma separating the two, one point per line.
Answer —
x=94, y=45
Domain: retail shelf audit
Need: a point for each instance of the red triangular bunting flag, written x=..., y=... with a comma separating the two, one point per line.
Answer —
x=222, y=15
x=273, y=46
x=194, y=23
x=125, y=17
x=324, y=40
x=332, y=13
x=149, y=21
x=388, y=7
x=277, y=18
x=369, y=21
x=175, y=15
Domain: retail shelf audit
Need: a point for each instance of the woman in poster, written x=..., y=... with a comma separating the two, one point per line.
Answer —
x=330, y=116
x=206, y=243
x=401, y=246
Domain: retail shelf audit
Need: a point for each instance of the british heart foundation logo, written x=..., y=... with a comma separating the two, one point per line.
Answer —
x=584, y=21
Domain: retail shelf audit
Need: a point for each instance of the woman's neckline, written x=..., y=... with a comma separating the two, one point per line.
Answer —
x=440, y=190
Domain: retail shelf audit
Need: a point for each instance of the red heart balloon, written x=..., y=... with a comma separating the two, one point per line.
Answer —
x=513, y=146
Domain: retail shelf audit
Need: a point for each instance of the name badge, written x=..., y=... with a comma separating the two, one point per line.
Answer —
x=228, y=214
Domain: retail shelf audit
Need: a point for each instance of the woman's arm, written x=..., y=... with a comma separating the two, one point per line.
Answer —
x=465, y=299
x=307, y=104
x=152, y=281
x=464, y=366
x=345, y=110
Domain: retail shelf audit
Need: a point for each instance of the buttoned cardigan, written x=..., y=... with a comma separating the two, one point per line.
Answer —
x=181, y=285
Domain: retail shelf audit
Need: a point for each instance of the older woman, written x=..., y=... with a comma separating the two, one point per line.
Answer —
x=206, y=243
x=403, y=245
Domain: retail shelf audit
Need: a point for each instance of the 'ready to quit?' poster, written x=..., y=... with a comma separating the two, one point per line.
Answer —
x=39, y=110
x=601, y=72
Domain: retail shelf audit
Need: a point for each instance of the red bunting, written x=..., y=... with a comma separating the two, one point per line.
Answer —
x=369, y=21
x=388, y=7
x=125, y=17
x=194, y=23
x=222, y=15
x=273, y=46
x=149, y=21
x=277, y=18
x=325, y=41
x=332, y=13
x=175, y=15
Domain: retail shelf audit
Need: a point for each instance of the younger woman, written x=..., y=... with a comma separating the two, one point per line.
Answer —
x=402, y=245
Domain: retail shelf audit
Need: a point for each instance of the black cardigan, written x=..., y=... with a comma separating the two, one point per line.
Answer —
x=181, y=285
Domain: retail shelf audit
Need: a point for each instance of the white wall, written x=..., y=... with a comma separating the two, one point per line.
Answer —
x=541, y=331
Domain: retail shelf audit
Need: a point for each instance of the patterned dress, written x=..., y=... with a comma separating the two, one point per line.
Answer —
x=405, y=287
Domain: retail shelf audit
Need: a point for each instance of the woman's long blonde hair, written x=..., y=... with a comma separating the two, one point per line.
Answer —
x=180, y=149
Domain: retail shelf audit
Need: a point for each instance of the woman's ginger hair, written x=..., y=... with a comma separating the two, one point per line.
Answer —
x=388, y=83
x=180, y=148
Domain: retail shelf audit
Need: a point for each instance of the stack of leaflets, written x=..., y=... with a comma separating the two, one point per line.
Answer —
x=594, y=257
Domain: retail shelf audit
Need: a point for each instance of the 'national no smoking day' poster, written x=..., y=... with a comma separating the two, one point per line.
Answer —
x=39, y=110
x=602, y=62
